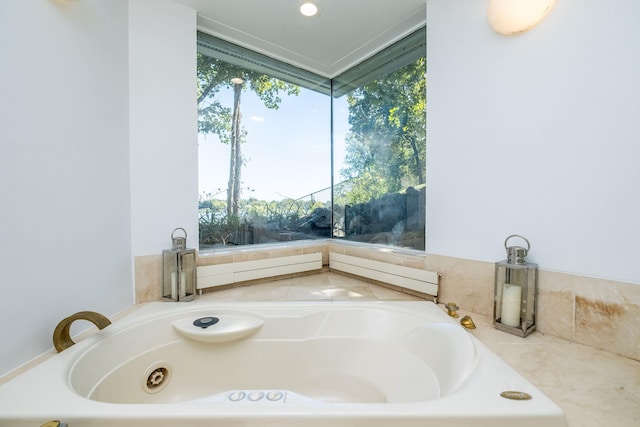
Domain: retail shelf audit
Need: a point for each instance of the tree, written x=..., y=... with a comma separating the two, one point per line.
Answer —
x=214, y=118
x=386, y=145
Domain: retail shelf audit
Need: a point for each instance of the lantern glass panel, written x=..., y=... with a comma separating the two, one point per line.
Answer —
x=529, y=314
x=515, y=297
x=179, y=274
x=188, y=275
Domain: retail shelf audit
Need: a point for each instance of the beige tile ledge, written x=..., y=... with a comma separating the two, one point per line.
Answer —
x=593, y=387
x=598, y=312
x=466, y=282
x=148, y=278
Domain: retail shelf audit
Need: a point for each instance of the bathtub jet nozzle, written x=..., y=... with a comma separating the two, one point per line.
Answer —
x=205, y=322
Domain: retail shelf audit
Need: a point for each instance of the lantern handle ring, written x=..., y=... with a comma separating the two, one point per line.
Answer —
x=517, y=235
x=184, y=231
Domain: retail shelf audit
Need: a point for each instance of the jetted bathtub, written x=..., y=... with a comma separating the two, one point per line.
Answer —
x=375, y=364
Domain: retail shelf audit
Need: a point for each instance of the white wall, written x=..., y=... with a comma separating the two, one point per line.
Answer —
x=536, y=134
x=64, y=170
x=99, y=156
x=163, y=117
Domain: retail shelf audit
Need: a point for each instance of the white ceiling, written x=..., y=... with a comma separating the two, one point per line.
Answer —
x=343, y=34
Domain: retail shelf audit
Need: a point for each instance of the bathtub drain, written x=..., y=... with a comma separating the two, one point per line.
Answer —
x=157, y=379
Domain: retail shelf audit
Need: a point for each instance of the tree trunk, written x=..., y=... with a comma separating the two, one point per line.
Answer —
x=417, y=160
x=235, y=158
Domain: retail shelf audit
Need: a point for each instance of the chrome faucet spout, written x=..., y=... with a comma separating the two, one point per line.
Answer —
x=61, y=335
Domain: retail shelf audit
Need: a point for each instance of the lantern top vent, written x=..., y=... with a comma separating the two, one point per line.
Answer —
x=179, y=243
x=517, y=254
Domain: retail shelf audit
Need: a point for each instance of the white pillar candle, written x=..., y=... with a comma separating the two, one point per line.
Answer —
x=174, y=286
x=511, y=296
x=183, y=284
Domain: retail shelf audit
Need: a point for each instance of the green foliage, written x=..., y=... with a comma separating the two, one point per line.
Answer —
x=216, y=229
x=366, y=186
x=215, y=226
x=386, y=146
x=219, y=228
x=215, y=75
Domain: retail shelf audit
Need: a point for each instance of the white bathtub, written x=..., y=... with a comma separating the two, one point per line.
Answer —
x=376, y=364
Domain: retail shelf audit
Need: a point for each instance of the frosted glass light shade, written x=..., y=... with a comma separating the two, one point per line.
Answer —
x=509, y=17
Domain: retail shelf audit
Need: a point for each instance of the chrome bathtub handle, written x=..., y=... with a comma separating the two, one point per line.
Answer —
x=61, y=337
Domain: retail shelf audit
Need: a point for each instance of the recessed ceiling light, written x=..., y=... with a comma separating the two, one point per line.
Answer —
x=308, y=8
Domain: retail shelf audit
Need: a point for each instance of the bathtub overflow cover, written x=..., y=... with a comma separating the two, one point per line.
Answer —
x=205, y=322
x=515, y=395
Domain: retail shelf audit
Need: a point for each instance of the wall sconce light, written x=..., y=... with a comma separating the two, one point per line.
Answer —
x=516, y=289
x=179, y=270
x=510, y=17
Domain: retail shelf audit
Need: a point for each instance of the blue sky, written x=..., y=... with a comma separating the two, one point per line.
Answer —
x=287, y=151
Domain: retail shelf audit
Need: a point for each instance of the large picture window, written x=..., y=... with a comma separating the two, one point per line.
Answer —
x=267, y=132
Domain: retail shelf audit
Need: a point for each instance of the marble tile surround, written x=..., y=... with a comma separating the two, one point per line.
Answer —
x=600, y=313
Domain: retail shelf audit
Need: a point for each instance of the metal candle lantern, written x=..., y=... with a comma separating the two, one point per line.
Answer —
x=179, y=270
x=516, y=286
